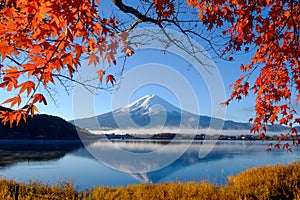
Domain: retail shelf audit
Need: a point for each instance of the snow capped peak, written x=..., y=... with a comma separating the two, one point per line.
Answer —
x=147, y=104
x=149, y=96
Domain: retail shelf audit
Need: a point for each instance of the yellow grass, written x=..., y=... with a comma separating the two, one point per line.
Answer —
x=270, y=182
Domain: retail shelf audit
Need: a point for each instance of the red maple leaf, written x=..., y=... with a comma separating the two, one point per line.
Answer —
x=110, y=78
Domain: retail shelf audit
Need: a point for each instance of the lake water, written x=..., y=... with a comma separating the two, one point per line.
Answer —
x=54, y=162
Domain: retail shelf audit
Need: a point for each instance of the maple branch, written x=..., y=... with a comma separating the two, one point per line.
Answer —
x=174, y=21
x=122, y=72
x=42, y=69
x=87, y=86
x=151, y=6
x=16, y=62
x=182, y=47
x=63, y=84
x=207, y=40
x=144, y=17
x=51, y=95
x=134, y=24
x=135, y=12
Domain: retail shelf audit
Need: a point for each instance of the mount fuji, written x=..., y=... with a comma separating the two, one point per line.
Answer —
x=152, y=111
x=146, y=104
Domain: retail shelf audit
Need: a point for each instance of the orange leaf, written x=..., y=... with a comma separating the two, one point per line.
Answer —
x=47, y=77
x=93, y=59
x=110, y=78
x=39, y=98
x=15, y=100
x=19, y=115
x=33, y=109
x=100, y=73
x=29, y=86
x=7, y=116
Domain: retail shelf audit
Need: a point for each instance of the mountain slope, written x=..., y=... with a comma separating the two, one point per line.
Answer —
x=152, y=111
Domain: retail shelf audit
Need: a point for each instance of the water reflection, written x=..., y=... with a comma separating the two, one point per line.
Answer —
x=52, y=161
x=242, y=154
x=12, y=152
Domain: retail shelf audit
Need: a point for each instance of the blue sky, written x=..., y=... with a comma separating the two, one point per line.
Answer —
x=238, y=111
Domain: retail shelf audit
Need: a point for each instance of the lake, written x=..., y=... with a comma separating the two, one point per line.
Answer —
x=103, y=163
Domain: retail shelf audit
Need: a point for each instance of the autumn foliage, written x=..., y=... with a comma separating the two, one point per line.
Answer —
x=271, y=28
x=42, y=41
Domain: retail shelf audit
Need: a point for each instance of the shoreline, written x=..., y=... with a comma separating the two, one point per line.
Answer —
x=267, y=182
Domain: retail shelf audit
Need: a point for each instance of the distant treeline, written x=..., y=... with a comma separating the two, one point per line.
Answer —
x=171, y=136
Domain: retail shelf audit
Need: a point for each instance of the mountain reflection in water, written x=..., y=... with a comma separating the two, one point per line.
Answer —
x=73, y=161
x=223, y=150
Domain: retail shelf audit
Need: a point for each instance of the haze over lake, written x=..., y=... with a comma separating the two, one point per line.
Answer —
x=53, y=162
x=137, y=156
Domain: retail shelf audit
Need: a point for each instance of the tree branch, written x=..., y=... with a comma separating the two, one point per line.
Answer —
x=135, y=12
x=13, y=60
